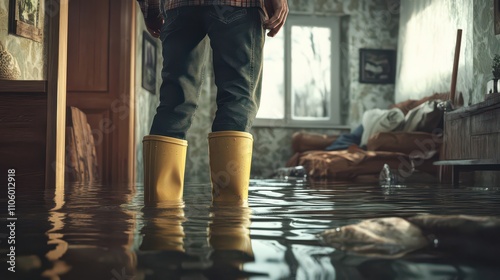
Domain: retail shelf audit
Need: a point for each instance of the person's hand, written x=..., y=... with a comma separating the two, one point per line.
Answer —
x=277, y=11
x=154, y=22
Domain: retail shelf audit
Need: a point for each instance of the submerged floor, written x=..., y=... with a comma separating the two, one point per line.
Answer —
x=105, y=232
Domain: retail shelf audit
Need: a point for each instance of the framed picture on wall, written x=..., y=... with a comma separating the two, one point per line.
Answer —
x=497, y=16
x=25, y=19
x=149, y=62
x=377, y=66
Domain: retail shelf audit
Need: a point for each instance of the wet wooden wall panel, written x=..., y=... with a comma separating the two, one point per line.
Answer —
x=23, y=131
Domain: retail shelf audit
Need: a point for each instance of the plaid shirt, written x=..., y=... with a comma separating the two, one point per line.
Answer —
x=154, y=5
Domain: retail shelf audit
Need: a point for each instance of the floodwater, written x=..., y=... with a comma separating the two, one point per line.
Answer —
x=105, y=232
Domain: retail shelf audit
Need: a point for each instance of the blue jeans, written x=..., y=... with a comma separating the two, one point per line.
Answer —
x=237, y=39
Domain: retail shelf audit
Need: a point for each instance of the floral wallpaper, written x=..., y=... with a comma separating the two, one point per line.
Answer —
x=145, y=101
x=364, y=23
x=30, y=55
x=486, y=45
x=197, y=168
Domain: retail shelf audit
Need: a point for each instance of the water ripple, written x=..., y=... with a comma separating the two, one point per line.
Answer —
x=106, y=232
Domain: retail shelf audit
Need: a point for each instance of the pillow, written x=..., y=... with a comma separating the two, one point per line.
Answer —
x=425, y=118
x=407, y=105
x=378, y=120
x=347, y=139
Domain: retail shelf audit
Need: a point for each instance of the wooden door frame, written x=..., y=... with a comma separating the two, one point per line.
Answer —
x=57, y=92
x=56, y=95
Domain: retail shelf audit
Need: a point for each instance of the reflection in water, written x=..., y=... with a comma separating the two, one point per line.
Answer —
x=162, y=253
x=229, y=236
x=106, y=232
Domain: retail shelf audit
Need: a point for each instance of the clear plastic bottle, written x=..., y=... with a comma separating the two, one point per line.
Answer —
x=388, y=177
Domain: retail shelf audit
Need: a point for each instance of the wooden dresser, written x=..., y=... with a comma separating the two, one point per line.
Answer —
x=472, y=139
x=23, y=131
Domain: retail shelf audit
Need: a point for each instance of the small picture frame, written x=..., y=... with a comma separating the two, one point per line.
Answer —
x=26, y=19
x=496, y=9
x=377, y=66
x=149, y=59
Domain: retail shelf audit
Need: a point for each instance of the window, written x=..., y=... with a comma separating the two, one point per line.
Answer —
x=300, y=85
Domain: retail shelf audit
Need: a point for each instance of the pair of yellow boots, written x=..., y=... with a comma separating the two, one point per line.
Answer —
x=230, y=154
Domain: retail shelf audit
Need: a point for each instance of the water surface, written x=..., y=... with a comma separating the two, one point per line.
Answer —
x=105, y=232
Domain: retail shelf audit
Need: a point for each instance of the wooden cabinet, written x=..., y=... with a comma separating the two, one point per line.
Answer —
x=472, y=138
x=23, y=130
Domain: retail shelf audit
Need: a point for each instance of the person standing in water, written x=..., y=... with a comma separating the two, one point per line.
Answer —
x=236, y=29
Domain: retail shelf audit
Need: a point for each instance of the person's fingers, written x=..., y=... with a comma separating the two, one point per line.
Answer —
x=277, y=24
x=272, y=21
x=276, y=18
x=275, y=30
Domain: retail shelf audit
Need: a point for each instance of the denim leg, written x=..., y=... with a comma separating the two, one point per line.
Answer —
x=184, y=50
x=237, y=39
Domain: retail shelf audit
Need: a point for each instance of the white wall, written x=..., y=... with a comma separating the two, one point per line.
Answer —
x=427, y=46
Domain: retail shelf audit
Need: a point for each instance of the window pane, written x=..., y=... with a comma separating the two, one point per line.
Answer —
x=311, y=72
x=272, y=103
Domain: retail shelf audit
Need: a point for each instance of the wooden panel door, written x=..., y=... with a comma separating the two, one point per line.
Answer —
x=100, y=48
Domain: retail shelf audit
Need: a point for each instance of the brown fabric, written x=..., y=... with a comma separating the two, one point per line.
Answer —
x=410, y=104
x=393, y=148
x=404, y=142
x=349, y=164
x=405, y=106
x=293, y=161
x=304, y=141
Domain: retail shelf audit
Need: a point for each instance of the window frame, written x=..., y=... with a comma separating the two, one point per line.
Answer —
x=334, y=120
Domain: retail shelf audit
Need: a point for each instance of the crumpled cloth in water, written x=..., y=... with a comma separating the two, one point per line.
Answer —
x=461, y=235
x=381, y=237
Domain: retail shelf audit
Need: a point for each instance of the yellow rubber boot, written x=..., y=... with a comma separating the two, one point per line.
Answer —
x=164, y=164
x=230, y=155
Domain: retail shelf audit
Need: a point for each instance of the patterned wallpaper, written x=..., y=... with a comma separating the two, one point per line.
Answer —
x=145, y=101
x=30, y=55
x=427, y=46
x=486, y=45
x=365, y=24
